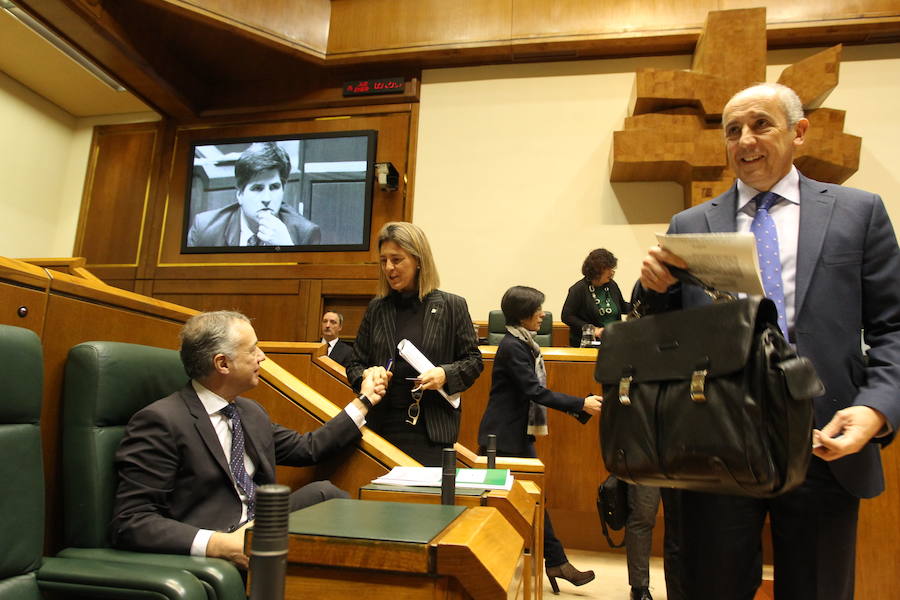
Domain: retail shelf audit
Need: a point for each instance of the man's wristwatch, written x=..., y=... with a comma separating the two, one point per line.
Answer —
x=365, y=400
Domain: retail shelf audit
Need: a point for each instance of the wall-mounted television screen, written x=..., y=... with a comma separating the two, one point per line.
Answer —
x=296, y=193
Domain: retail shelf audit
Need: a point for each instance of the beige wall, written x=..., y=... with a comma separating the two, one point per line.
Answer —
x=512, y=182
x=43, y=157
x=35, y=144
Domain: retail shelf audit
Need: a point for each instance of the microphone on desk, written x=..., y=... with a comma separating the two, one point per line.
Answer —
x=492, y=451
x=448, y=476
x=268, y=554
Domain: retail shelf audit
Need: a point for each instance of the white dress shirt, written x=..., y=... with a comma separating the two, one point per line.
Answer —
x=330, y=344
x=213, y=403
x=786, y=215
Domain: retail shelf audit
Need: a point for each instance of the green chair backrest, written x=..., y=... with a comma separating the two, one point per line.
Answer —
x=105, y=383
x=497, y=329
x=21, y=469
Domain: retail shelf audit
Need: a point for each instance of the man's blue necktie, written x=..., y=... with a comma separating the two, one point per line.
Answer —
x=237, y=458
x=763, y=228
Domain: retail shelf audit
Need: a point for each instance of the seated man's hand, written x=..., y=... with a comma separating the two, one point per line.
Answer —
x=378, y=373
x=272, y=230
x=229, y=546
x=655, y=274
x=374, y=385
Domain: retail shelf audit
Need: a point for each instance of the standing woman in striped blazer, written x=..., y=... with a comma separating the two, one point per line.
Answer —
x=413, y=415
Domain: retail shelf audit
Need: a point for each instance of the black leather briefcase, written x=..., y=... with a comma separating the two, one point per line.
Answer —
x=708, y=399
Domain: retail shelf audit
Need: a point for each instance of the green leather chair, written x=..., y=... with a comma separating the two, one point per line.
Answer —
x=497, y=329
x=105, y=383
x=24, y=573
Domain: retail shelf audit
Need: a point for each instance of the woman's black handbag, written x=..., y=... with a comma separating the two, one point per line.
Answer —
x=708, y=399
x=612, y=506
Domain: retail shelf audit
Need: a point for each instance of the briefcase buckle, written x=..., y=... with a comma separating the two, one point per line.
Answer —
x=624, y=389
x=698, y=385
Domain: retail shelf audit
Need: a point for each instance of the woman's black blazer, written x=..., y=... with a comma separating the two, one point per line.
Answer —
x=448, y=341
x=514, y=385
x=580, y=308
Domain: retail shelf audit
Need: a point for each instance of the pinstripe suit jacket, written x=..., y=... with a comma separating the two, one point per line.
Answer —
x=448, y=341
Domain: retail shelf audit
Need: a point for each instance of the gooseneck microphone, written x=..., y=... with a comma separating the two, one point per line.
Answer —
x=492, y=451
x=268, y=554
x=448, y=477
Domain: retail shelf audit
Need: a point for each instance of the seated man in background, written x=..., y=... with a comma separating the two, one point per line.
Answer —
x=259, y=217
x=189, y=463
x=338, y=351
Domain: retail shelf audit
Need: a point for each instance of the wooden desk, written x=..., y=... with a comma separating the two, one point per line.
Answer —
x=521, y=506
x=369, y=549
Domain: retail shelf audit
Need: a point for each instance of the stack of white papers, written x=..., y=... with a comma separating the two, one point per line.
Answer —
x=492, y=479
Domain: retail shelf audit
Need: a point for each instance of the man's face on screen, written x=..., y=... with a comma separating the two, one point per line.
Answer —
x=262, y=193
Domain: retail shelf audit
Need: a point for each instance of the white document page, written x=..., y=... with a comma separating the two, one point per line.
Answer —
x=725, y=261
x=420, y=363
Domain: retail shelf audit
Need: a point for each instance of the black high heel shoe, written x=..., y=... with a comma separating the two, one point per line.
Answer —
x=569, y=573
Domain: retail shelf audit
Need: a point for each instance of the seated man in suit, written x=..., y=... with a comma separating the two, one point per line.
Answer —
x=338, y=351
x=259, y=217
x=189, y=463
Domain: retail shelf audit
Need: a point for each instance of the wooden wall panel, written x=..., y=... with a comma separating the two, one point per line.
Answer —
x=538, y=18
x=22, y=306
x=122, y=284
x=117, y=190
x=878, y=544
x=395, y=25
x=348, y=297
x=813, y=10
x=275, y=316
x=423, y=32
x=301, y=23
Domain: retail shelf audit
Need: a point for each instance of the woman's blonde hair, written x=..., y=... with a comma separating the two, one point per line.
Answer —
x=413, y=240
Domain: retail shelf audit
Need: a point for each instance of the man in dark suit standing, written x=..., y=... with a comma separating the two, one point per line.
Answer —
x=838, y=262
x=338, y=351
x=189, y=464
x=259, y=217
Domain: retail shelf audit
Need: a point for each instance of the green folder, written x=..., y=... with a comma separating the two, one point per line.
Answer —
x=374, y=520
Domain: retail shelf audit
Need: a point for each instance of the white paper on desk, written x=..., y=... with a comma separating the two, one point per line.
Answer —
x=725, y=261
x=420, y=363
x=431, y=477
x=426, y=476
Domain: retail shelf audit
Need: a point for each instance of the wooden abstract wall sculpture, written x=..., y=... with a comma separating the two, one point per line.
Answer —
x=674, y=132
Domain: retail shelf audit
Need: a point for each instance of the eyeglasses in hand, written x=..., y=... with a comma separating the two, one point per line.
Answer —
x=414, y=409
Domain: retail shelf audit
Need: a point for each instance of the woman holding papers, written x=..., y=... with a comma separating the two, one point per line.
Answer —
x=594, y=300
x=438, y=356
x=517, y=408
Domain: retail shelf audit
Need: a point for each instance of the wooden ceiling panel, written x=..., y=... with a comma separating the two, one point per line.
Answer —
x=303, y=24
x=187, y=58
x=387, y=26
x=567, y=18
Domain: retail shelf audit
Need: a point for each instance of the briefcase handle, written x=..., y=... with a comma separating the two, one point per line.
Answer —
x=685, y=276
